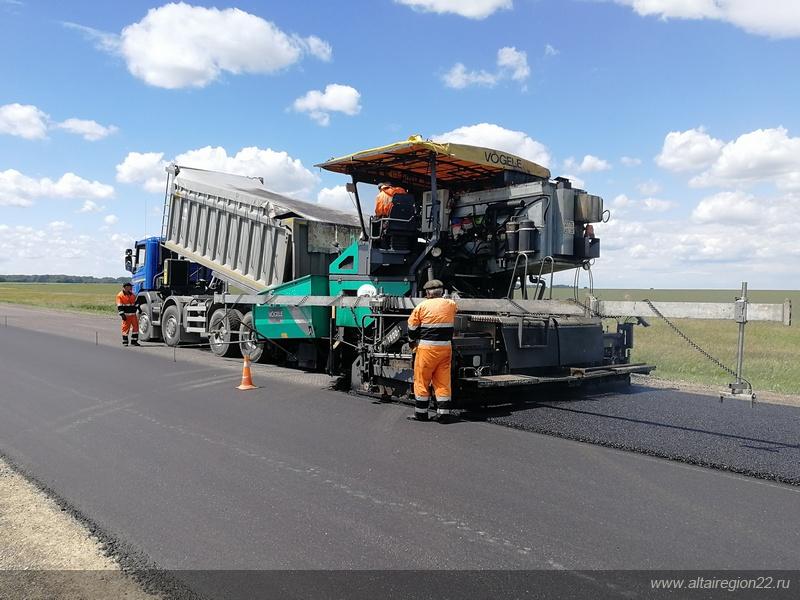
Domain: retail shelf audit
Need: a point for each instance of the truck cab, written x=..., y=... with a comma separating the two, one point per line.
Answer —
x=144, y=263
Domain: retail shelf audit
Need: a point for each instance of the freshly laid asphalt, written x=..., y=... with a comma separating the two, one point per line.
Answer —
x=762, y=440
x=175, y=468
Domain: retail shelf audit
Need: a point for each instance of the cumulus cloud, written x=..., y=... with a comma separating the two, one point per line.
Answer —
x=656, y=205
x=493, y=136
x=23, y=120
x=550, y=50
x=335, y=98
x=17, y=189
x=589, y=164
x=768, y=155
x=56, y=248
x=576, y=181
x=179, y=45
x=511, y=64
x=773, y=18
x=32, y=123
x=90, y=206
x=459, y=77
x=630, y=161
x=281, y=172
x=649, y=188
x=471, y=9
x=337, y=198
x=88, y=129
x=111, y=219
x=146, y=168
x=688, y=150
x=732, y=208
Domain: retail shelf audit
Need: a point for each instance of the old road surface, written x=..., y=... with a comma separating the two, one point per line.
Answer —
x=178, y=470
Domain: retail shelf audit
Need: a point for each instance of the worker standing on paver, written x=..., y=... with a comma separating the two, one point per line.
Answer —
x=384, y=199
x=430, y=329
x=126, y=307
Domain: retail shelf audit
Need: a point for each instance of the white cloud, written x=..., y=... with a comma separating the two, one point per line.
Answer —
x=762, y=155
x=472, y=9
x=511, y=64
x=773, y=18
x=576, y=181
x=458, y=77
x=178, y=45
x=337, y=198
x=281, y=172
x=649, y=188
x=656, y=205
x=146, y=168
x=90, y=206
x=58, y=249
x=493, y=136
x=630, y=161
x=23, y=120
x=729, y=208
x=17, y=189
x=515, y=62
x=90, y=130
x=30, y=122
x=550, y=50
x=59, y=225
x=589, y=164
x=688, y=150
x=621, y=201
x=335, y=98
x=111, y=219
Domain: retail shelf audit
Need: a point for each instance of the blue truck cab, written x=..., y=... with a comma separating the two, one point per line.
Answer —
x=147, y=263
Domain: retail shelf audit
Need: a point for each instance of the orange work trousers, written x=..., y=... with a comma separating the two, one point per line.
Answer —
x=131, y=323
x=432, y=367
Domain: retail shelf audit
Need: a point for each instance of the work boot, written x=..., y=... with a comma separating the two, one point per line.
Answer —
x=135, y=339
x=124, y=340
x=135, y=343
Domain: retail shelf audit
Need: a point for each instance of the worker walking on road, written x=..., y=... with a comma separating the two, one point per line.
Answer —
x=430, y=328
x=126, y=307
x=384, y=199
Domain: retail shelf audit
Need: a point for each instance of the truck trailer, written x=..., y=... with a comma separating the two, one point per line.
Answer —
x=275, y=278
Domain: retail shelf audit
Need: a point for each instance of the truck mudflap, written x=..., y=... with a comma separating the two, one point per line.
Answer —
x=576, y=376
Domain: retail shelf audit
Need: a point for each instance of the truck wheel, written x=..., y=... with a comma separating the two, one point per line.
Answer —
x=223, y=332
x=247, y=336
x=171, y=325
x=147, y=331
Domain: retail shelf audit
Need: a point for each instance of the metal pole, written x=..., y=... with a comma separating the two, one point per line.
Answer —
x=742, y=321
x=96, y=341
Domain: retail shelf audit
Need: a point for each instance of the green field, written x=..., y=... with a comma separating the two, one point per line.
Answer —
x=772, y=351
x=89, y=297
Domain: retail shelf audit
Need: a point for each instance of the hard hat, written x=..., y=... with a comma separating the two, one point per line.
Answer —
x=127, y=284
x=433, y=284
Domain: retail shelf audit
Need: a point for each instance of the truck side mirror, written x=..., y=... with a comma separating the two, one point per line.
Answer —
x=129, y=260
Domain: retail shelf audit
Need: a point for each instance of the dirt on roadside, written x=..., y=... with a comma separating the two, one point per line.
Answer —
x=46, y=553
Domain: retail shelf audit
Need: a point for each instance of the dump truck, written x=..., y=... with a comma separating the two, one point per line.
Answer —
x=276, y=278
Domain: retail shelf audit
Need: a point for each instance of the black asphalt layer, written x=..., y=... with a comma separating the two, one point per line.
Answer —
x=186, y=472
x=762, y=440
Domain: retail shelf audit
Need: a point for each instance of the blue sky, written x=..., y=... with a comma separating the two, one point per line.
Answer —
x=683, y=116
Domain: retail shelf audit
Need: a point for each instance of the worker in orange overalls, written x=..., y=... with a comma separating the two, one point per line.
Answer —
x=126, y=307
x=383, y=201
x=430, y=328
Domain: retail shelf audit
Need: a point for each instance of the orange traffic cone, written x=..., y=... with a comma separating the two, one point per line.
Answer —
x=247, y=379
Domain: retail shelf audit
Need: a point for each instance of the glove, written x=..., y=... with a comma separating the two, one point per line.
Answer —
x=122, y=316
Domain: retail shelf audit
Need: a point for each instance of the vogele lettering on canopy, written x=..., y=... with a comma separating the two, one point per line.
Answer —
x=503, y=159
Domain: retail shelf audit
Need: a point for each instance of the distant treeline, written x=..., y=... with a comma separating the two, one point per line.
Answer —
x=60, y=279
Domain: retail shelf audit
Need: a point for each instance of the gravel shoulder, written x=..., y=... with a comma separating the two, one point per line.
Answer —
x=47, y=553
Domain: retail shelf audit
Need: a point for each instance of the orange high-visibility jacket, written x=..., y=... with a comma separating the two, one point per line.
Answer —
x=383, y=201
x=126, y=303
x=431, y=322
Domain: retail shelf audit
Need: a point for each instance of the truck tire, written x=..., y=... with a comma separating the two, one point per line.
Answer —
x=223, y=332
x=171, y=325
x=250, y=347
x=147, y=331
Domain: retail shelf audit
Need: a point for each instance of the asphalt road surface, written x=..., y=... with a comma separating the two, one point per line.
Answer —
x=183, y=469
